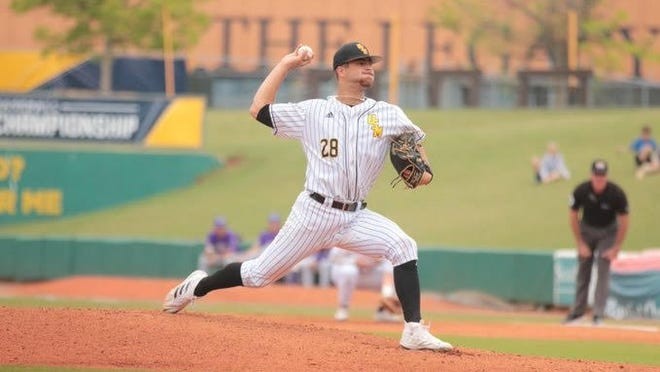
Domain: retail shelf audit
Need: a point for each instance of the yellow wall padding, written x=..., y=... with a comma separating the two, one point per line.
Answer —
x=180, y=125
x=22, y=71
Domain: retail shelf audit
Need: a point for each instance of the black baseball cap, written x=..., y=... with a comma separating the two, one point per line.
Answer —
x=599, y=167
x=351, y=52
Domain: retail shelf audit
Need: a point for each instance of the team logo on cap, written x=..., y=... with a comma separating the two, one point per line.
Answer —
x=362, y=48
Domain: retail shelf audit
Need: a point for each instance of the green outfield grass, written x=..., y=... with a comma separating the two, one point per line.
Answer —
x=614, y=351
x=483, y=194
x=633, y=353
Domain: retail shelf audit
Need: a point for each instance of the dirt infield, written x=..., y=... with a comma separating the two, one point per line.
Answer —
x=196, y=341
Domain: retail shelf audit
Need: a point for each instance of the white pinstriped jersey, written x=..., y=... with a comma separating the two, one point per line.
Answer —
x=345, y=146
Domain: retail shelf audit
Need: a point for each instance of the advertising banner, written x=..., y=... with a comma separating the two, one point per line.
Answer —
x=31, y=116
x=156, y=122
x=634, y=283
x=565, y=270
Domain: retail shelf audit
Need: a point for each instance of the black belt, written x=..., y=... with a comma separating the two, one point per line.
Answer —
x=351, y=207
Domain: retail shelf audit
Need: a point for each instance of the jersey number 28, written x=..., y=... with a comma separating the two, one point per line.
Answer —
x=329, y=147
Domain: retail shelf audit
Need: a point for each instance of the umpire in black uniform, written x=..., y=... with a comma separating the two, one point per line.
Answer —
x=599, y=233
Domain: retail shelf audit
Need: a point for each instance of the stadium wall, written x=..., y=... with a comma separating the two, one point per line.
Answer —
x=42, y=258
x=518, y=277
x=513, y=276
x=44, y=185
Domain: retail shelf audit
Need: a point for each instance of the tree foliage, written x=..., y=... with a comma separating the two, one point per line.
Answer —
x=520, y=28
x=475, y=23
x=608, y=39
x=109, y=27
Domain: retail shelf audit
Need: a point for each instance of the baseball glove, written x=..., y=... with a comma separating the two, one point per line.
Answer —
x=407, y=160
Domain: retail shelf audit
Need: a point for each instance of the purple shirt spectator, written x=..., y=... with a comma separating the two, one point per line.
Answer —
x=222, y=240
x=228, y=242
x=266, y=237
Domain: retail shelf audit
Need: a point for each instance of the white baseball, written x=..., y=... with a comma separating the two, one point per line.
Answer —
x=306, y=52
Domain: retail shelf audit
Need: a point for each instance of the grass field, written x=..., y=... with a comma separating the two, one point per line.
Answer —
x=483, y=194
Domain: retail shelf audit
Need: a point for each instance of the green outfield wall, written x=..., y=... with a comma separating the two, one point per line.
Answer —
x=35, y=258
x=43, y=185
x=514, y=276
x=523, y=277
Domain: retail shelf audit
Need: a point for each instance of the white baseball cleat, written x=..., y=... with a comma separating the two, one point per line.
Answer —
x=184, y=293
x=341, y=314
x=416, y=336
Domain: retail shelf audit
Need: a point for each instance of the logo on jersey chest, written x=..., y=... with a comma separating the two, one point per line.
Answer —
x=602, y=204
x=373, y=122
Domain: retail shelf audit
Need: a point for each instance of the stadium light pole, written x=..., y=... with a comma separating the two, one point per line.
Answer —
x=393, y=60
x=167, y=52
x=572, y=45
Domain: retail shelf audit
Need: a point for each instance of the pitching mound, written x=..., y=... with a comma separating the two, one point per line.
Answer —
x=195, y=341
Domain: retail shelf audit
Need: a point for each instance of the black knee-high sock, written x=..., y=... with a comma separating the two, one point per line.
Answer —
x=406, y=283
x=227, y=277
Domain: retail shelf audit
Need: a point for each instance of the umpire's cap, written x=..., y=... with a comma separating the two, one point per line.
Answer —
x=351, y=52
x=599, y=167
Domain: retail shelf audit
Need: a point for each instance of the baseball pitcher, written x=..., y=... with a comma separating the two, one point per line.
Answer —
x=346, y=139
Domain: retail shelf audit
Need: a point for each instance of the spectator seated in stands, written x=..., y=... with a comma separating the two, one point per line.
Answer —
x=265, y=237
x=220, y=247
